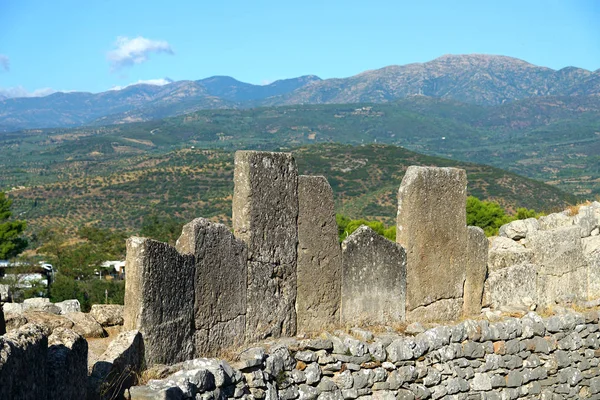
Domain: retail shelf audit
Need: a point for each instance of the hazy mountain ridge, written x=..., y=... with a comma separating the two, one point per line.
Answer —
x=475, y=79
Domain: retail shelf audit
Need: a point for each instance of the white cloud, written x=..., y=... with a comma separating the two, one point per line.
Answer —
x=20, y=91
x=4, y=63
x=156, y=82
x=128, y=51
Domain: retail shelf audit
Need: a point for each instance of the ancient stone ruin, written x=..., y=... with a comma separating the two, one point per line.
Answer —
x=281, y=271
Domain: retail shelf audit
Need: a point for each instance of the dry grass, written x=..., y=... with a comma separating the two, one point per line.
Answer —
x=574, y=209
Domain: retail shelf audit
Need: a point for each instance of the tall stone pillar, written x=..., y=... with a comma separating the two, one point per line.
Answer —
x=265, y=215
x=319, y=256
x=432, y=227
x=477, y=257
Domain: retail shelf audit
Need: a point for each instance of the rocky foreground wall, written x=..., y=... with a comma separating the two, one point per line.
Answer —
x=530, y=357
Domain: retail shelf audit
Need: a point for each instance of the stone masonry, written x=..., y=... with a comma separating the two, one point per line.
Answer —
x=477, y=257
x=319, y=270
x=431, y=226
x=219, y=319
x=159, y=299
x=265, y=214
x=373, y=279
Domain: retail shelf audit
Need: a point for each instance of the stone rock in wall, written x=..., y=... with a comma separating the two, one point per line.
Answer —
x=505, y=252
x=373, y=279
x=431, y=227
x=159, y=299
x=118, y=368
x=591, y=251
x=509, y=286
x=68, y=306
x=477, y=256
x=67, y=365
x=220, y=285
x=14, y=308
x=49, y=321
x=562, y=267
x=40, y=304
x=85, y=325
x=555, y=221
x=264, y=214
x=586, y=220
x=519, y=229
x=319, y=256
x=107, y=314
x=591, y=245
x=23, y=355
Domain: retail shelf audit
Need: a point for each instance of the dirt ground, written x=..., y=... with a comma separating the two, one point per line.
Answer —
x=97, y=346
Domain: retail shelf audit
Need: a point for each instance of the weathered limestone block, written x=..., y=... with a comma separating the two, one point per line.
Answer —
x=23, y=355
x=14, y=320
x=159, y=299
x=508, y=287
x=555, y=221
x=220, y=285
x=373, y=279
x=85, y=325
x=477, y=256
x=68, y=306
x=586, y=220
x=431, y=226
x=118, y=368
x=591, y=251
x=40, y=304
x=264, y=214
x=319, y=256
x=505, y=252
x=519, y=229
x=67, y=365
x=562, y=267
x=107, y=314
x=14, y=308
x=49, y=321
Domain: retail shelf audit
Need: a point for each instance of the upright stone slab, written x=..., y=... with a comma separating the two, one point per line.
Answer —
x=477, y=255
x=220, y=285
x=319, y=256
x=2, y=321
x=373, y=279
x=431, y=226
x=23, y=355
x=67, y=365
x=159, y=299
x=562, y=267
x=265, y=213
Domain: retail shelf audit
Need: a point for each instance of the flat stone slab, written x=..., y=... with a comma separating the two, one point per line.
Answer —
x=507, y=287
x=220, y=285
x=431, y=226
x=265, y=214
x=373, y=279
x=159, y=299
x=319, y=256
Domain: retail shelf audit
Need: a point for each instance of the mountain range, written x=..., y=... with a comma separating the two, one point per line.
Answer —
x=484, y=80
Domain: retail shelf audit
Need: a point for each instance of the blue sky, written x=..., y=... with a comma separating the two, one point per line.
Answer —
x=101, y=44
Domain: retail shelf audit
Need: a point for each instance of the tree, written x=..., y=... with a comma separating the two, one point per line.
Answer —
x=487, y=215
x=11, y=241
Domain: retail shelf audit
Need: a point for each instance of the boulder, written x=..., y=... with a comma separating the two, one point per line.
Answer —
x=107, y=314
x=14, y=308
x=118, y=367
x=373, y=279
x=519, y=229
x=67, y=365
x=219, y=320
x=23, y=354
x=40, y=304
x=555, y=221
x=14, y=320
x=264, y=216
x=510, y=286
x=591, y=245
x=85, y=325
x=505, y=252
x=319, y=256
x=68, y=306
x=5, y=292
x=477, y=256
x=49, y=321
x=431, y=226
x=586, y=220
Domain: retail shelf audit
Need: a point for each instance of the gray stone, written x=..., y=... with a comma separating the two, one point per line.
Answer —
x=400, y=350
x=593, y=268
x=508, y=286
x=505, y=252
x=220, y=285
x=118, y=367
x=555, y=221
x=319, y=256
x=13, y=308
x=431, y=227
x=562, y=268
x=264, y=215
x=49, y=321
x=481, y=382
x=519, y=229
x=405, y=394
x=67, y=365
x=108, y=314
x=68, y=306
x=313, y=373
x=586, y=220
x=477, y=256
x=306, y=392
x=14, y=320
x=23, y=355
x=85, y=325
x=159, y=299
x=2, y=320
x=373, y=279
